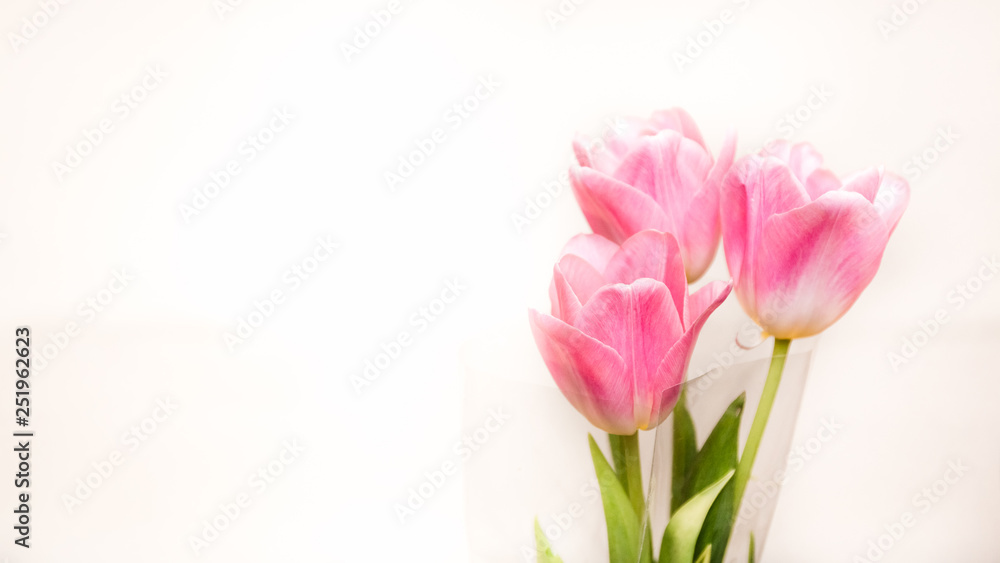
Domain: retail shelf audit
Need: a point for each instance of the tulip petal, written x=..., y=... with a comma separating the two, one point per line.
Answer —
x=591, y=375
x=597, y=154
x=774, y=189
x=581, y=150
x=623, y=135
x=583, y=278
x=671, y=371
x=606, y=152
x=699, y=237
x=804, y=160
x=669, y=168
x=865, y=183
x=806, y=163
x=614, y=209
x=892, y=199
x=702, y=302
x=595, y=249
x=641, y=323
x=565, y=303
x=814, y=263
x=681, y=121
x=733, y=219
x=725, y=161
x=582, y=273
x=820, y=182
x=778, y=148
x=754, y=189
x=701, y=233
x=654, y=255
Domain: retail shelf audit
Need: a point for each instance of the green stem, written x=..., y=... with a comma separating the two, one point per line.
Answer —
x=633, y=472
x=760, y=421
x=628, y=448
x=618, y=459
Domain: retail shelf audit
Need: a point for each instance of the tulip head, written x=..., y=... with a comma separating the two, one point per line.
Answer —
x=622, y=328
x=801, y=244
x=655, y=174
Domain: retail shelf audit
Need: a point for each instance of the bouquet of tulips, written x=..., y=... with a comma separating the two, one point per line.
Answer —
x=801, y=245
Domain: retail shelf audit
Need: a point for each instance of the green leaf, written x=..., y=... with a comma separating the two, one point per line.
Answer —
x=719, y=523
x=685, y=449
x=543, y=547
x=705, y=556
x=682, y=530
x=719, y=455
x=618, y=458
x=752, y=549
x=621, y=519
x=721, y=450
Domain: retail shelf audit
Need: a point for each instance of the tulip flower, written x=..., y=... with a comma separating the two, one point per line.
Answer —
x=655, y=174
x=622, y=328
x=801, y=244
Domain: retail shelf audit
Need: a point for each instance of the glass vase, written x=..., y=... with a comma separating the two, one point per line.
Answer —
x=706, y=398
x=537, y=464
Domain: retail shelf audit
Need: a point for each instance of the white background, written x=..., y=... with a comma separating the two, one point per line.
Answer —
x=162, y=335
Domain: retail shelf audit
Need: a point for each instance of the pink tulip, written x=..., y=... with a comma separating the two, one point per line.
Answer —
x=801, y=244
x=622, y=328
x=655, y=174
